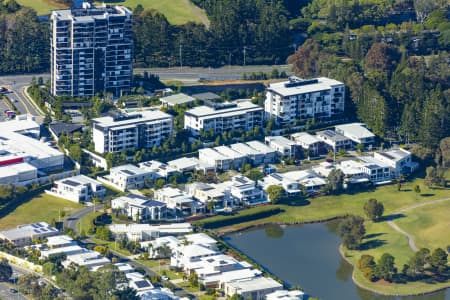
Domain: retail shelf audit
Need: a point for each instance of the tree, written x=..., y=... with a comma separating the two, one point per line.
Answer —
x=159, y=183
x=336, y=181
x=275, y=193
x=351, y=230
x=444, y=146
x=367, y=266
x=417, y=262
x=439, y=261
x=373, y=209
x=399, y=186
x=210, y=206
x=49, y=268
x=5, y=270
x=431, y=178
x=385, y=268
x=255, y=175
x=417, y=190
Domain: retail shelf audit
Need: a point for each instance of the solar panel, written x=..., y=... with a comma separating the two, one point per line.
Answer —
x=128, y=172
x=276, y=176
x=142, y=284
x=241, y=180
x=71, y=183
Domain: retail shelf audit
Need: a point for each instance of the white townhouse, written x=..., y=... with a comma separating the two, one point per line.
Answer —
x=223, y=117
x=399, y=160
x=158, y=169
x=139, y=208
x=144, y=232
x=78, y=188
x=286, y=295
x=184, y=255
x=24, y=235
x=333, y=140
x=293, y=181
x=282, y=145
x=269, y=154
x=243, y=190
x=238, y=159
x=127, y=177
x=212, y=157
x=304, y=99
x=143, y=129
x=178, y=201
x=357, y=132
x=311, y=145
x=254, y=288
x=205, y=193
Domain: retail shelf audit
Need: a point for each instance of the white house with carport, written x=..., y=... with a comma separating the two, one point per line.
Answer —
x=139, y=208
x=357, y=132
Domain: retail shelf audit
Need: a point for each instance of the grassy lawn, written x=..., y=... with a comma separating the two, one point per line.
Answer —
x=428, y=224
x=322, y=208
x=176, y=11
x=41, y=208
x=42, y=7
x=111, y=246
x=381, y=238
x=86, y=223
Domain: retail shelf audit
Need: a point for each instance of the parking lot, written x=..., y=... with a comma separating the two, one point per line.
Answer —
x=3, y=107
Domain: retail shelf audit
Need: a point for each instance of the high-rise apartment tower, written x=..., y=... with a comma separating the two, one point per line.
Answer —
x=91, y=50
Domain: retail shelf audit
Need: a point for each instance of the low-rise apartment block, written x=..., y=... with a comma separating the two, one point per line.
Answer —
x=399, y=160
x=223, y=117
x=79, y=188
x=144, y=129
x=297, y=98
x=139, y=208
x=145, y=232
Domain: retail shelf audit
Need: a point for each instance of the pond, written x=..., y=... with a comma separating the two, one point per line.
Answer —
x=308, y=256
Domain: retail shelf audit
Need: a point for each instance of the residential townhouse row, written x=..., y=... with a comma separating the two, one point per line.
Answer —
x=52, y=242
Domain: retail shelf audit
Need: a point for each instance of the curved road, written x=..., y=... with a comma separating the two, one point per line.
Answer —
x=410, y=238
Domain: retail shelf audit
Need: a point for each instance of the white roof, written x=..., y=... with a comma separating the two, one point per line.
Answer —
x=322, y=85
x=241, y=107
x=212, y=153
x=280, y=140
x=15, y=169
x=285, y=295
x=305, y=138
x=57, y=240
x=200, y=238
x=29, y=231
x=145, y=116
x=184, y=163
x=174, y=228
x=128, y=170
x=227, y=151
x=244, y=149
x=234, y=275
x=80, y=179
x=355, y=130
x=177, y=99
x=255, y=284
x=260, y=147
x=395, y=154
x=196, y=250
x=68, y=249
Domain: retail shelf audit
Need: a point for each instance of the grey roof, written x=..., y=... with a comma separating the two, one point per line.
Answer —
x=177, y=99
x=59, y=127
x=206, y=96
x=332, y=135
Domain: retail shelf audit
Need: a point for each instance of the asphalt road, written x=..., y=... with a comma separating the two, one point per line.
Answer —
x=186, y=75
x=72, y=220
